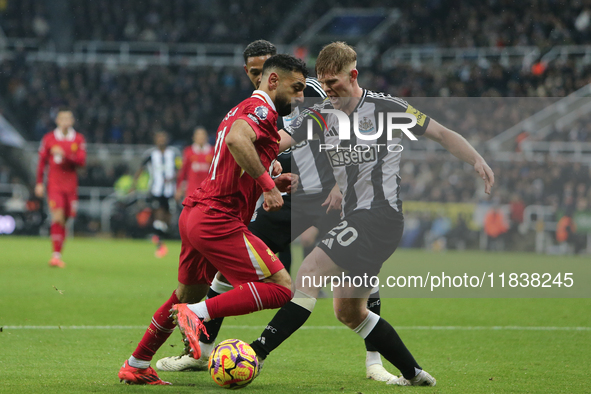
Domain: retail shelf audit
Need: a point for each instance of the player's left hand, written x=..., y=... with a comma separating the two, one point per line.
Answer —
x=57, y=150
x=273, y=200
x=277, y=168
x=486, y=174
x=333, y=201
x=287, y=183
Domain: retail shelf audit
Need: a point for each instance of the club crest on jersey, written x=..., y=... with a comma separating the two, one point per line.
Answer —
x=366, y=126
x=261, y=112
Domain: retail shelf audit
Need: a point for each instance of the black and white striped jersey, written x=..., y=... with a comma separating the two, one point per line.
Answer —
x=366, y=170
x=162, y=167
x=307, y=161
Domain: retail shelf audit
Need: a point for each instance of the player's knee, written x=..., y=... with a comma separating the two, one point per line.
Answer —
x=59, y=218
x=281, y=278
x=352, y=318
x=191, y=294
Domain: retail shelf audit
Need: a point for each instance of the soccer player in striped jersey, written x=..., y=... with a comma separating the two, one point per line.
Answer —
x=162, y=163
x=372, y=224
x=315, y=205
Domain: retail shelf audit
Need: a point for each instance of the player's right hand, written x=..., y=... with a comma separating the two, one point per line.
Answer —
x=273, y=200
x=39, y=190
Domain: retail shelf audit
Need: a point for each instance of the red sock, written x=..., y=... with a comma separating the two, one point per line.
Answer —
x=158, y=332
x=58, y=234
x=246, y=298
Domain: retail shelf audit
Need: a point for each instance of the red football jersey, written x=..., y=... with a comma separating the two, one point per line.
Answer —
x=228, y=188
x=196, y=162
x=62, y=168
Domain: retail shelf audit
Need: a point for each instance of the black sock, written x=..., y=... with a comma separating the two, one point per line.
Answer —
x=385, y=339
x=214, y=325
x=285, y=322
x=373, y=304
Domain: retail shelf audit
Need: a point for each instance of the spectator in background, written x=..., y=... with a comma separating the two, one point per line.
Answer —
x=495, y=226
x=566, y=232
x=196, y=161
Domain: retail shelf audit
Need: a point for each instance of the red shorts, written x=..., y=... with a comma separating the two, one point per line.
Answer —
x=211, y=243
x=68, y=201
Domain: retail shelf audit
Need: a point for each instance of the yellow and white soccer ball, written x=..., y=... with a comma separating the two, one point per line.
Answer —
x=233, y=364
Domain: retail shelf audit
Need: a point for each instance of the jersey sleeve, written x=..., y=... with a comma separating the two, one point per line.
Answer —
x=314, y=89
x=422, y=119
x=43, y=158
x=259, y=117
x=147, y=157
x=298, y=129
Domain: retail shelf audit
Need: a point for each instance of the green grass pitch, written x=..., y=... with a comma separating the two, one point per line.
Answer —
x=110, y=283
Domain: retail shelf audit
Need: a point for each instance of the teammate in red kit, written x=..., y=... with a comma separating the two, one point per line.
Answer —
x=196, y=161
x=65, y=151
x=213, y=224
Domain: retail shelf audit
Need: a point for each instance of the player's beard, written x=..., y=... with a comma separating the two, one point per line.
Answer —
x=283, y=105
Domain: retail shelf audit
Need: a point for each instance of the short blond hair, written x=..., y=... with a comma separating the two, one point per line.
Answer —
x=334, y=58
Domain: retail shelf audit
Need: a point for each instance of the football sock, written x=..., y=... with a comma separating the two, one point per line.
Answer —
x=385, y=339
x=285, y=322
x=158, y=332
x=372, y=358
x=137, y=363
x=160, y=229
x=206, y=349
x=58, y=233
x=373, y=304
x=246, y=298
x=213, y=326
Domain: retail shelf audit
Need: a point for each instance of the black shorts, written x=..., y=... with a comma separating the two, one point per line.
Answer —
x=159, y=202
x=364, y=240
x=278, y=229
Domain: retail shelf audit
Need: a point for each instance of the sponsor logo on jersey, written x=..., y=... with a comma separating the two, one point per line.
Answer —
x=300, y=145
x=418, y=114
x=261, y=112
x=341, y=158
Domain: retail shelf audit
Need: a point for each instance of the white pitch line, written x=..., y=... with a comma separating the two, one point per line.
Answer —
x=426, y=328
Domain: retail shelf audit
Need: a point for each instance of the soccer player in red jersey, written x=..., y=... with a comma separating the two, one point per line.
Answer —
x=196, y=161
x=213, y=224
x=64, y=150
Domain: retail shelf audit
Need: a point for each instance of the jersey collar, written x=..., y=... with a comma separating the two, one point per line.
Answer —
x=198, y=149
x=61, y=137
x=265, y=97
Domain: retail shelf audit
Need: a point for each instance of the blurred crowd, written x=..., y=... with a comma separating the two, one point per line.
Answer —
x=446, y=23
x=126, y=104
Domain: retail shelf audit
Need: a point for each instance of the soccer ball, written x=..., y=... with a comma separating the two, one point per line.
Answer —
x=233, y=364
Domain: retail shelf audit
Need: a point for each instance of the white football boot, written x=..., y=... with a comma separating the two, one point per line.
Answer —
x=182, y=363
x=422, y=379
x=378, y=372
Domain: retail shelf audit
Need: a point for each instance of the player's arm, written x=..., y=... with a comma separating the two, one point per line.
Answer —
x=78, y=158
x=240, y=142
x=460, y=148
x=286, y=140
x=138, y=173
x=43, y=158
